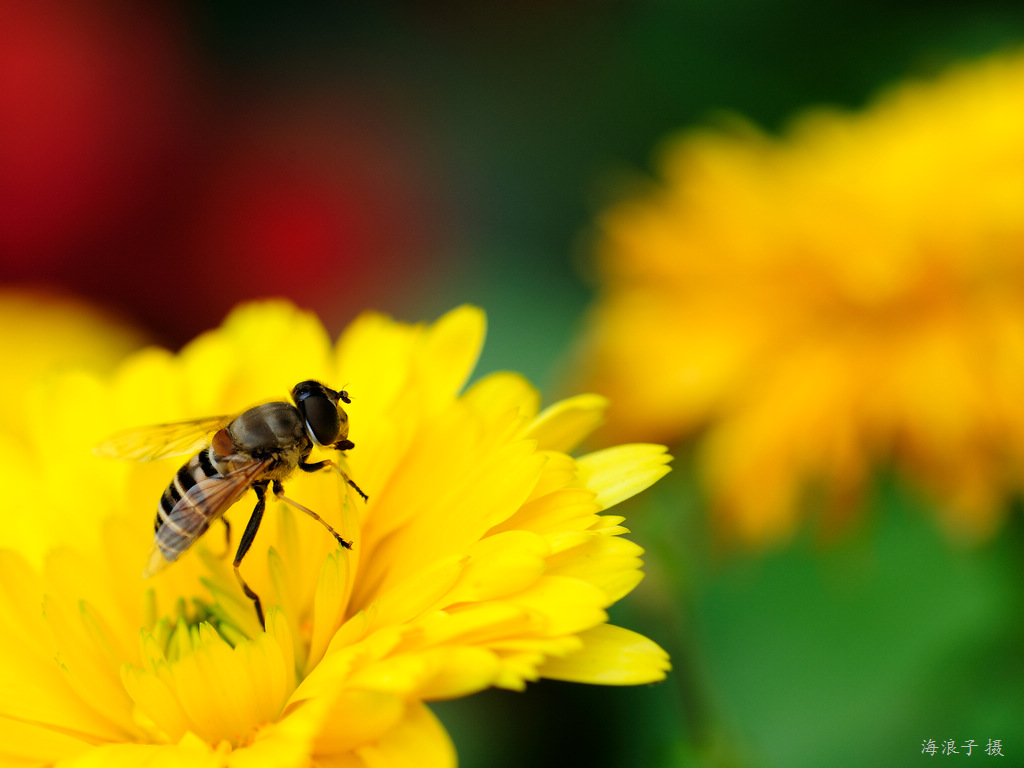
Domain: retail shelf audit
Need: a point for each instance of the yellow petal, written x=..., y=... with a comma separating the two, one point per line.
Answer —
x=618, y=473
x=419, y=519
x=190, y=751
x=33, y=686
x=449, y=353
x=156, y=373
x=286, y=743
x=498, y=565
x=30, y=744
x=356, y=718
x=478, y=623
x=416, y=593
x=420, y=741
x=564, y=425
x=519, y=668
x=337, y=667
x=154, y=692
x=87, y=670
x=228, y=366
x=53, y=332
x=561, y=510
x=208, y=687
x=458, y=671
x=610, y=656
x=610, y=563
x=559, y=472
x=328, y=603
x=566, y=605
x=503, y=391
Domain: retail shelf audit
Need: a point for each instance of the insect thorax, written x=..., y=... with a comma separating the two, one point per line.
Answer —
x=270, y=427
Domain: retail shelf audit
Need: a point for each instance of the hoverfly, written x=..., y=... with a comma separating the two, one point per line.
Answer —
x=256, y=449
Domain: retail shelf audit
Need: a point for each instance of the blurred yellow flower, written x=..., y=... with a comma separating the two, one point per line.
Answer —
x=44, y=331
x=847, y=296
x=481, y=559
x=44, y=335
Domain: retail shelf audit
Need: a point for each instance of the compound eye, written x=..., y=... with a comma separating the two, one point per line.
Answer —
x=322, y=421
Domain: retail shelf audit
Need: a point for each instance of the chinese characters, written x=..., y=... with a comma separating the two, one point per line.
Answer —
x=994, y=748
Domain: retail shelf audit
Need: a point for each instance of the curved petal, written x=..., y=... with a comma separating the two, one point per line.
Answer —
x=610, y=656
x=419, y=741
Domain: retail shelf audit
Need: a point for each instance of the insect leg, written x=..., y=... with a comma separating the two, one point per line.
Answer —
x=317, y=466
x=279, y=492
x=246, y=542
x=227, y=536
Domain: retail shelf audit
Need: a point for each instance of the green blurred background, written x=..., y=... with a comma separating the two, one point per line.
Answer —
x=174, y=159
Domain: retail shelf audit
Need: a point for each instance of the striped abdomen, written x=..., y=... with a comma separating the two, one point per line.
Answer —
x=198, y=468
x=201, y=491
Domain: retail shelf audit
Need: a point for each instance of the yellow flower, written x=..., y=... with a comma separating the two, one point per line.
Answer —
x=847, y=296
x=481, y=559
x=45, y=331
x=43, y=335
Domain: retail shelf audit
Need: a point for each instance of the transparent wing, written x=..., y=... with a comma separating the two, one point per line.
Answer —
x=160, y=441
x=205, y=501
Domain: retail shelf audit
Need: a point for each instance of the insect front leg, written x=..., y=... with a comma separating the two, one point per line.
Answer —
x=328, y=464
x=279, y=492
x=243, y=546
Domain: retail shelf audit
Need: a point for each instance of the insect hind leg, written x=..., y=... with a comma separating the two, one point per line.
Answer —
x=243, y=546
x=279, y=493
x=328, y=464
x=227, y=537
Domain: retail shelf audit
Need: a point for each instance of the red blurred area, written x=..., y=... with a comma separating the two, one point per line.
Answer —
x=91, y=109
x=307, y=200
x=129, y=174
